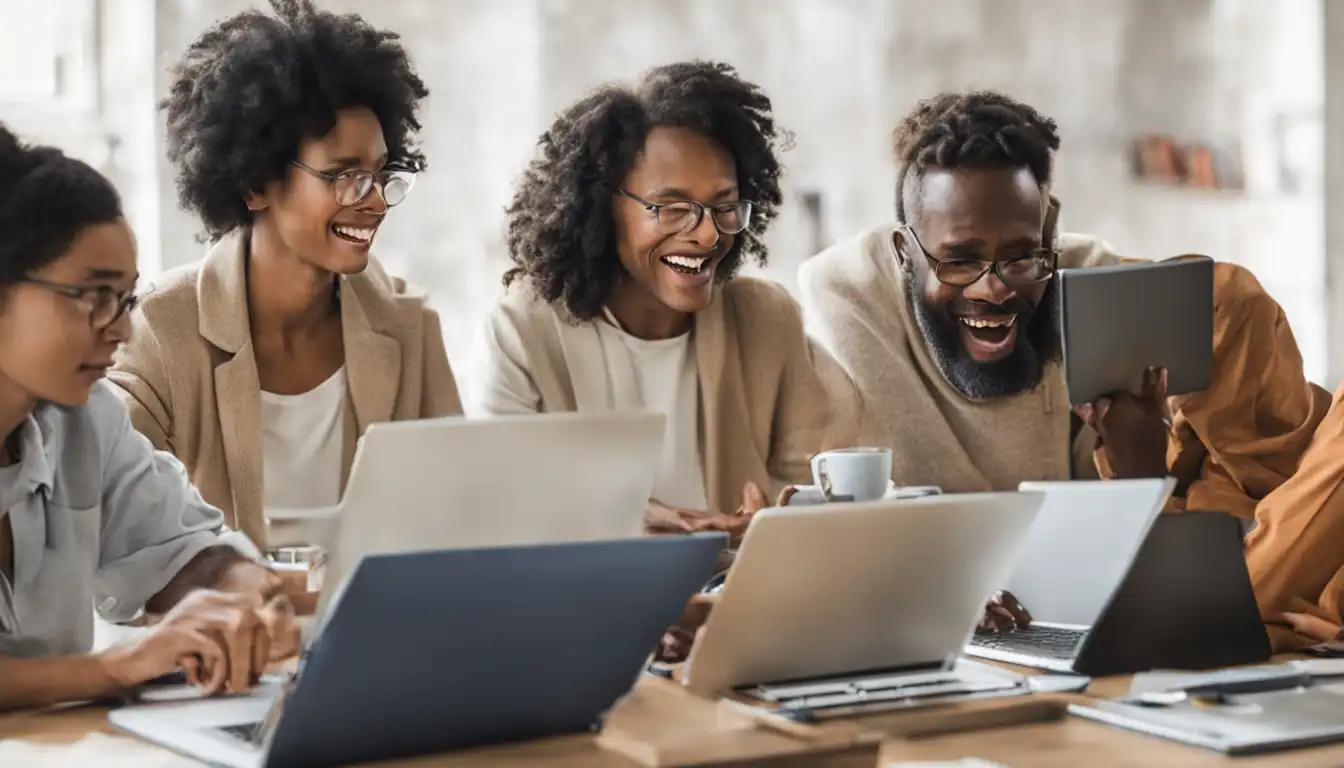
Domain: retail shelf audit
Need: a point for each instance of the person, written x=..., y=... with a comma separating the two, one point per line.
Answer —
x=947, y=321
x=90, y=514
x=627, y=233
x=259, y=367
x=1293, y=553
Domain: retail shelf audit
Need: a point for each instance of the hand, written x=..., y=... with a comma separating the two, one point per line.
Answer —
x=677, y=641
x=220, y=640
x=1314, y=627
x=659, y=518
x=1003, y=613
x=1133, y=430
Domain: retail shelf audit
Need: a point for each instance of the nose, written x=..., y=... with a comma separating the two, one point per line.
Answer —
x=375, y=201
x=989, y=288
x=704, y=234
x=119, y=331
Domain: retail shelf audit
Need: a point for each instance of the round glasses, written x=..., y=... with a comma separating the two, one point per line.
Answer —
x=352, y=186
x=685, y=215
x=1035, y=266
x=104, y=304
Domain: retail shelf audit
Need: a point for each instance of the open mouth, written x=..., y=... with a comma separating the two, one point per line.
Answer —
x=989, y=337
x=686, y=265
x=356, y=235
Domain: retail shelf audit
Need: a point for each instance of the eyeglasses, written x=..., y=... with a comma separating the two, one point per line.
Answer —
x=1034, y=266
x=685, y=215
x=105, y=305
x=352, y=186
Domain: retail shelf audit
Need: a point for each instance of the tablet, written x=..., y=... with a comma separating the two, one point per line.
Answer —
x=1116, y=322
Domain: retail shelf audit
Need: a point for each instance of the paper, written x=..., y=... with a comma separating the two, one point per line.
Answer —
x=1058, y=683
x=1319, y=667
x=93, y=749
x=965, y=762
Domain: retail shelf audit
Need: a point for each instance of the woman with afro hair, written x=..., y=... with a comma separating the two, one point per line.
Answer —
x=626, y=233
x=293, y=134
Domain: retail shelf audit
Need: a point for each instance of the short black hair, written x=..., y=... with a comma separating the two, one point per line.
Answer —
x=979, y=129
x=46, y=200
x=253, y=86
x=561, y=230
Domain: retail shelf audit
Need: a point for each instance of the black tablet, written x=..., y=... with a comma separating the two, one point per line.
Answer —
x=1118, y=321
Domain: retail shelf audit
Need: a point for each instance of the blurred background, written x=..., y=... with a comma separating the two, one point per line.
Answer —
x=1188, y=125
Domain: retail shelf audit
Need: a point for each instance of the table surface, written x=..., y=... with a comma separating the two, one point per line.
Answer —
x=79, y=736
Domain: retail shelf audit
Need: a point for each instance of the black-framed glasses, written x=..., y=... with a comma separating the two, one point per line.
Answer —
x=685, y=215
x=104, y=304
x=352, y=186
x=1035, y=266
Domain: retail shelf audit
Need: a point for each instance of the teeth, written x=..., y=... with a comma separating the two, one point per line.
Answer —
x=686, y=262
x=984, y=322
x=363, y=235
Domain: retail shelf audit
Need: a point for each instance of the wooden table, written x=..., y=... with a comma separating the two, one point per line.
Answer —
x=1070, y=742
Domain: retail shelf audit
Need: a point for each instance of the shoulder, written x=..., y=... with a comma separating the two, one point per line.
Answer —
x=522, y=307
x=761, y=305
x=845, y=266
x=84, y=433
x=172, y=295
x=1235, y=289
x=1077, y=250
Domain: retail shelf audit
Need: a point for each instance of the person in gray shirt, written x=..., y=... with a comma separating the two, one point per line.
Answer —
x=91, y=516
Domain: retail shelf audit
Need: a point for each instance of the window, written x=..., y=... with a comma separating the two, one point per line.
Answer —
x=48, y=54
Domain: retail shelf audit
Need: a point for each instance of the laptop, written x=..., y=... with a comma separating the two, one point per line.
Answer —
x=506, y=480
x=482, y=646
x=1116, y=587
x=827, y=605
x=1118, y=321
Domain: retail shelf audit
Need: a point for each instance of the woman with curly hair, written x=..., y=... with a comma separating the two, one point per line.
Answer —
x=627, y=233
x=90, y=514
x=260, y=366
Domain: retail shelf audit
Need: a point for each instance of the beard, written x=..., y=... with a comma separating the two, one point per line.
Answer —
x=1021, y=371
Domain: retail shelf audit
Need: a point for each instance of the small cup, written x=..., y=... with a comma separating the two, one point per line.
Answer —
x=852, y=474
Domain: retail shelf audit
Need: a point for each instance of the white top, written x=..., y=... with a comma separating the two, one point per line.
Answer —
x=301, y=443
x=666, y=383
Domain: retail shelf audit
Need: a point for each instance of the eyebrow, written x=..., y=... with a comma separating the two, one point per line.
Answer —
x=976, y=243
x=103, y=273
x=681, y=194
x=355, y=162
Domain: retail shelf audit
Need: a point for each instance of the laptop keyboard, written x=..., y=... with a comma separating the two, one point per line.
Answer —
x=1045, y=642
x=243, y=731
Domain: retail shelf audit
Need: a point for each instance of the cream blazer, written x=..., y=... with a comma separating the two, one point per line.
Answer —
x=189, y=374
x=769, y=398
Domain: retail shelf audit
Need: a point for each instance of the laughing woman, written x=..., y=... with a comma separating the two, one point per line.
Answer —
x=627, y=234
x=293, y=136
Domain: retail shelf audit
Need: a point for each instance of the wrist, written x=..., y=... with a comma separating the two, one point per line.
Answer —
x=109, y=669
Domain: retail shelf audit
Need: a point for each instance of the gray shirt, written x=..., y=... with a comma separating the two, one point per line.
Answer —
x=100, y=520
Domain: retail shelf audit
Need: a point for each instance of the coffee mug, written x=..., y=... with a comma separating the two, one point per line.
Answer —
x=849, y=474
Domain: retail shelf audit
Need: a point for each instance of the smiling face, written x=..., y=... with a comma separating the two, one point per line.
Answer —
x=672, y=273
x=303, y=208
x=49, y=348
x=991, y=338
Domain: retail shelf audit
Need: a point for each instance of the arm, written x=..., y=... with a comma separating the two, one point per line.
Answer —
x=40, y=682
x=142, y=384
x=440, y=395
x=503, y=383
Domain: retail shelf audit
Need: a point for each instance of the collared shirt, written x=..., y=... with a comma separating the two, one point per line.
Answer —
x=99, y=520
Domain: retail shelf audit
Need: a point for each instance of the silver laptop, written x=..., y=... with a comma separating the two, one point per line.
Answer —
x=1079, y=550
x=444, y=484
x=830, y=606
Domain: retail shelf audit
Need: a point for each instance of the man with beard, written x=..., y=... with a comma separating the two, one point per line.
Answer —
x=947, y=323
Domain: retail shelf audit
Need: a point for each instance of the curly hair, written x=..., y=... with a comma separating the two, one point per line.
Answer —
x=561, y=228
x=980, y=129
x=253, y=86
x=46, y=200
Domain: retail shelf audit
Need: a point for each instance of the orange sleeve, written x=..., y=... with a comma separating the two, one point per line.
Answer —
x=1259, y=412
x=1296, y=550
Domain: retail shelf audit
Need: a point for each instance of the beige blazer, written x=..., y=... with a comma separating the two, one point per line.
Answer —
x=189, y=374
x=769, y=398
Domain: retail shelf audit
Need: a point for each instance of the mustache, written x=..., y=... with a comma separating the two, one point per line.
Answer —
x=1018, y=305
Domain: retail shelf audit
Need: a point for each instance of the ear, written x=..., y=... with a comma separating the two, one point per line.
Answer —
x=1049, y=233
x=255, y=201
x=898, y=243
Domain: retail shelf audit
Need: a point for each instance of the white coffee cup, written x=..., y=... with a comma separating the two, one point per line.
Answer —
x=849, y=474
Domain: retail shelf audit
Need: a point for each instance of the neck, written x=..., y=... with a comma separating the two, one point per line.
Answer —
x=643, y=316
x=15, y=405
x=284, y=293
